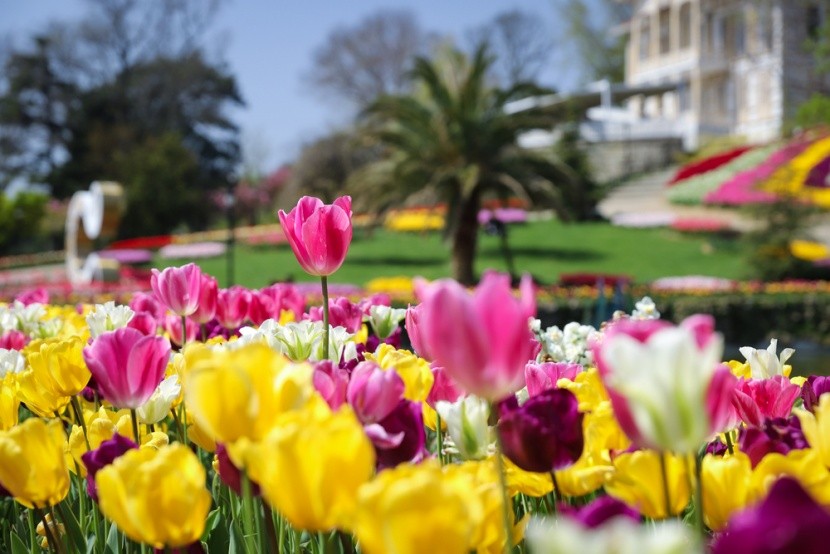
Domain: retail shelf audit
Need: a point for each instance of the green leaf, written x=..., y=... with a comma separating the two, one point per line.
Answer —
x=18, y=546
x=73, y=529
x=113, y=542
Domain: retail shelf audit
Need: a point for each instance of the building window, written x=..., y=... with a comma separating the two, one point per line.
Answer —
x=685, y=25
x=645, y=38
x=665, y=31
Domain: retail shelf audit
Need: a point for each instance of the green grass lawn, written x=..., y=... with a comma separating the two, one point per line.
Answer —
x=546, y=249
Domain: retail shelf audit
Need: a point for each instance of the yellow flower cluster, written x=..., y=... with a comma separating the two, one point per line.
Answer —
x=414, y=221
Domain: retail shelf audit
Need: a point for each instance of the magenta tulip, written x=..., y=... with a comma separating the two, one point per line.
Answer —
x=269, y=302
x=144, y=322
x=232, y=306
x=207, y=300
x=147, y=302
x=542, y=377
x=319, y=234
x=373, y=392
x=758, y=399
x=178, y=288
x=482, y=340
x=127, y=365
x=331, y=382
x=443, y=388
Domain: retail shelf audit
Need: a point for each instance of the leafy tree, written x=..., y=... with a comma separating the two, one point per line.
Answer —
x=455, y=137
x=20, y=220
x=600, y=54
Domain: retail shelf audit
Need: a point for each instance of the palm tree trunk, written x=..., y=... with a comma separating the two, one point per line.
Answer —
x=465, y=240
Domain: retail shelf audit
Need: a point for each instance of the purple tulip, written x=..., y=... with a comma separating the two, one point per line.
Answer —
x=716, y=448
x=545, y=433
x=541, y=377
x=104, y=455
x=400, y=436
x=775, y=435
x=812, y=390
x=599, y=511
x=788, y=520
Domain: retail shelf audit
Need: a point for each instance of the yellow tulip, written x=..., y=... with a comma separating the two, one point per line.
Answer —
x=62, y=362
x=412, y=509
x=311, y=465
x=241, y=393
x=414, y=371
x=726, y=487
x=638, y=481
x=156, y=497
x=488, y=534
x=587, y=387
x=739, y=369
x=32, y=464
x=803, y=465
x=9, y=403
x=816, y=428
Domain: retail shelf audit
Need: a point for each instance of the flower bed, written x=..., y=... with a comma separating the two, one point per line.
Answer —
x=693, y=190
x=643, y=220
x=700, y=225
x=699, y=167
x=218, y=420
x=192, y=250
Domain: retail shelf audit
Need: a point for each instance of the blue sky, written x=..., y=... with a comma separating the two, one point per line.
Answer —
x=268, y=45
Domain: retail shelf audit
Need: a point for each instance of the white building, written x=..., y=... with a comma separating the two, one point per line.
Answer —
x=738, y=67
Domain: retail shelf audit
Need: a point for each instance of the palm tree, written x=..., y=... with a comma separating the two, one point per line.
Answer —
x=453, y=136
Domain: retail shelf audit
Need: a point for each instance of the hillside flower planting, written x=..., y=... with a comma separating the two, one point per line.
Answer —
x=282, y=422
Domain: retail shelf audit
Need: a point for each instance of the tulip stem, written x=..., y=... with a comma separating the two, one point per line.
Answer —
x=32, y=535
x=248, y=514
x=505, y=512
x=182, y=419
x=440, y=437
x=79, y=415
x=665, y=473
x=134, y=419
x=47, y=530
x=204, y=332
x=324, y=282
x=184, y=332
x=557, y=493
x=729, y=445
x=701, y=528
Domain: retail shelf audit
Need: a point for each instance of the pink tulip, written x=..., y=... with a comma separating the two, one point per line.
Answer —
x=342, y=313
x=144, y=322
x=542, y=377
x=443, y=388
x=173, y=326
x=178, y=288
x=758, y=399
x=14, y=340
x=373, y=392
x=232, y=306
x=482, y=340
x=319, y=234
x=127, y=366
x=416, y=332
x=37, y=295
x=269, y=302
x=207, y=300
x=146, y=302
x=331, y=382
x=377, y=299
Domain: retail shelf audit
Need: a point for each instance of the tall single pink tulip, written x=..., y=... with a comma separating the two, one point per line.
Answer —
x=482, y=340
x=127, y=365
x=232, y=306
x=319, y=234
x=206, y=309
x=178, y=288
x=373, y=392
